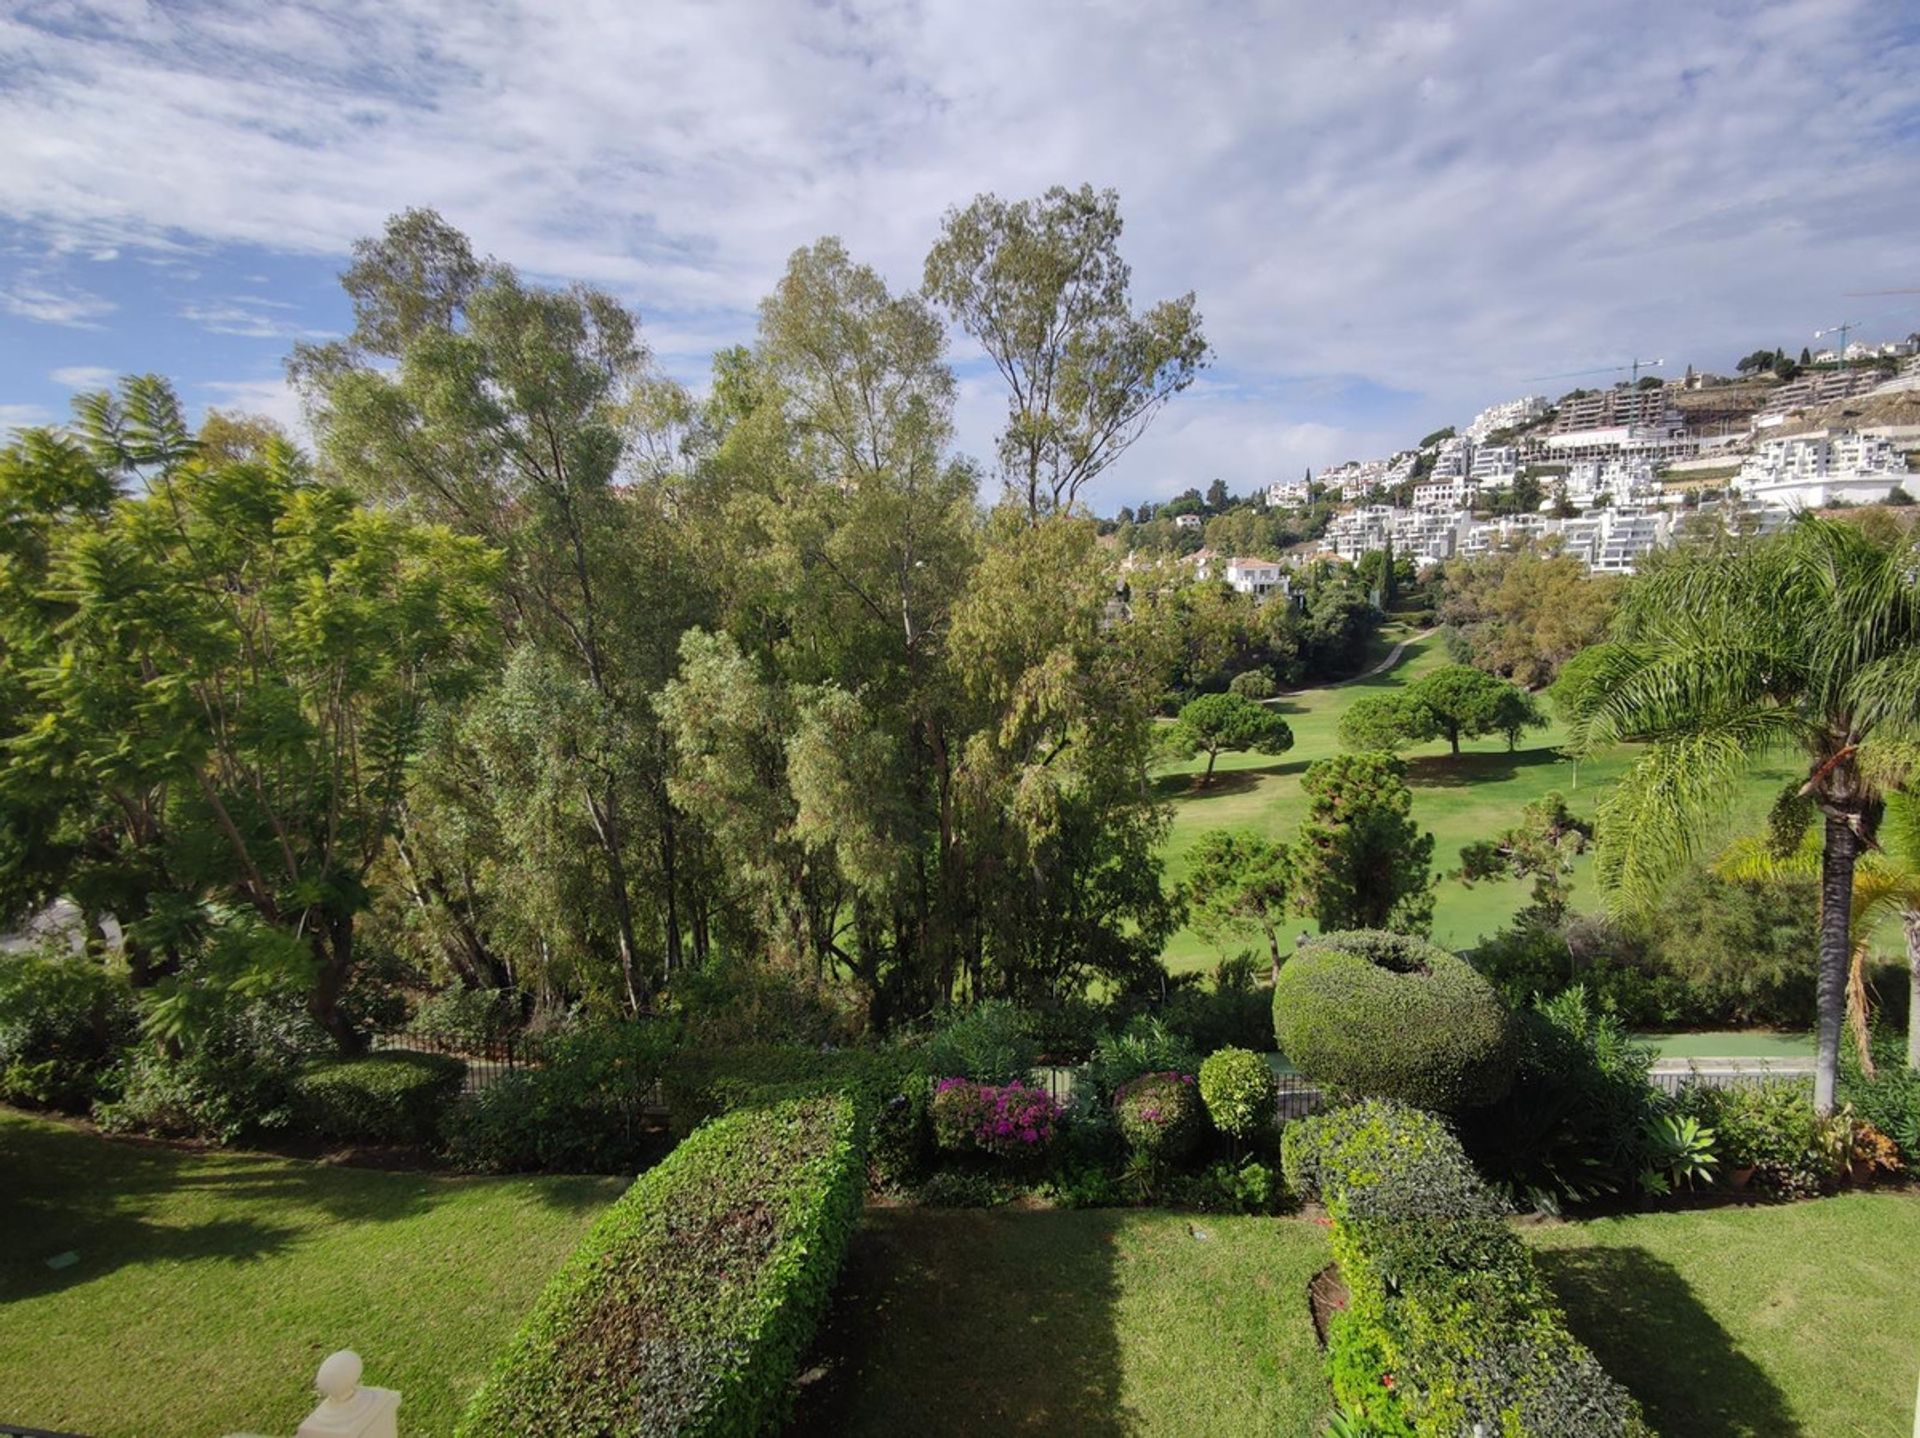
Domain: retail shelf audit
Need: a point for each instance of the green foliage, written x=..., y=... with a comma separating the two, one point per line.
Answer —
x=993, y=1041
x=1255, y=684
x=889, y=1086
x=1375, y=1014
x=1769, y=1127
x=1232, y=1012
x=1215, y=724
x=1449, y=1324
x=464, y=1019
x=1890, y=1099
x=1160, y=1116
x=1239, y=883
x=688, y=1308
x=1145, y=1044
x=1525, y=614
x=232, y=1081
x=1240, y=1092
x=380, y=1098
x=63, y=1023
x=1041, y=286
x=583, y=1110
x=1361, y=862
x=1248, y=1186
x=1572, y=1128
x=1451, y=703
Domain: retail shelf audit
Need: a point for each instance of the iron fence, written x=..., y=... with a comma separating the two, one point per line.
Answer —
x=486, y=1060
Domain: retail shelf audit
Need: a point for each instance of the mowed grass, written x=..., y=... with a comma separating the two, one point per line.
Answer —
x=1752, y=1322
x=207, y=1287
x=1458, y=799
x=1102, y=1322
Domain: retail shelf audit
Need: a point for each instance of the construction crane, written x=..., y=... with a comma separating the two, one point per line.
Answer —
x=1634, y=368
x=1843, y=329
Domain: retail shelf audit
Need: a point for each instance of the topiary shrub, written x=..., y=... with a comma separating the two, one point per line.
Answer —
x=1160, y=1116
x=1008, y=1120
x=689, y=1306
x=1371, y=1014
x=1240, y=1092
x=381, y=1098
x=1450, y=1329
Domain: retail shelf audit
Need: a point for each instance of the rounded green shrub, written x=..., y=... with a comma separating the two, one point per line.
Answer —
x=396, y=1097
x=1160, y=1116
x=1379, y=1015
x=1240, y=1092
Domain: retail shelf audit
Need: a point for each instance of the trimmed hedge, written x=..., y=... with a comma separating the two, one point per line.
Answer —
x=1378, y=1015
x=687, y=1309
x=380, y=1098
x=891, y=1088
x=1241, y=1093
x=1449, y=1323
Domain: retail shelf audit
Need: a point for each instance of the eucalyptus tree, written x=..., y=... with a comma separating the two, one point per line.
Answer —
x=514, y=413
x=1806, y=643
x=1040, y=285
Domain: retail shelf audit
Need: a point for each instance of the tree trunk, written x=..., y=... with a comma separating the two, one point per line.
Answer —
x=1910, y=919
x=1207, y=778
x=1836, y=953
x=333, y=946
x=1273, y=947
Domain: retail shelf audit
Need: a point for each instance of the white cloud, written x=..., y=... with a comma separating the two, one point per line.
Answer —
x=1438, y=202
x=22, y=416
x=84, y=376
x=74, y=309
x=248, y=318
x=271, y=398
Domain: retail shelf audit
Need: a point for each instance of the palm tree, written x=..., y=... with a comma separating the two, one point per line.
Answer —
x=1806, y=642
x=1885, y=881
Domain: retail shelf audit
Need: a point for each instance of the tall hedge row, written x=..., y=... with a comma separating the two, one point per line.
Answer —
x=1449, y=1324
x=687, y=1309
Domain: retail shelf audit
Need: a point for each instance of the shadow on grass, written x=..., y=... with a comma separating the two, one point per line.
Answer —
x=1226, y=782
x=963, y=1322
x=1459, y=771
x=1645, y=1326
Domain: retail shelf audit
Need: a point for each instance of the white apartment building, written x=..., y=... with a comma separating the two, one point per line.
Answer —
x=1524, y=410
x=1186, y=521
x=1288, y=494
x=1494, y=466
x=1451, y=459
x=1606, y=541
x=1621, y=480
x=1451, y=493
x=1812, y=470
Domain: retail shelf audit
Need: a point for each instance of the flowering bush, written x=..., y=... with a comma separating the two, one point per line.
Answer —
x=1014, y=1118
x=1160, y=1115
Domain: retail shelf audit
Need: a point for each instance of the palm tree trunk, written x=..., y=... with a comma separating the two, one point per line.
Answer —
x=1836, y=952
x=1910, y=919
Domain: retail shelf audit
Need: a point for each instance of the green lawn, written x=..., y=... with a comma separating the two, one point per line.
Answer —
x=1753, y=1322
x=1743, y=1044
x=1105, y=1322
x=208, y=1286
x=1459, y=799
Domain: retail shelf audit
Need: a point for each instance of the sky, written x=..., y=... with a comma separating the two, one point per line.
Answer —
x=1393, y=214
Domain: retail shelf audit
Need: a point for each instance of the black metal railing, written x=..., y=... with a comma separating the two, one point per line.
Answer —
x=13, y=1430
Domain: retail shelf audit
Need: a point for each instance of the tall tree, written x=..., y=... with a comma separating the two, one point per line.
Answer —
x=1361, y=862
x=516, y=414
x=1041, y=286
x=241, y=665
x=1806, y=643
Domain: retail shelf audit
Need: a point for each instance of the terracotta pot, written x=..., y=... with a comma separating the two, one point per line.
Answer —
x=1741, y=1177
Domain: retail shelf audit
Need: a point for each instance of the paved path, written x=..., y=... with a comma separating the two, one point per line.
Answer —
x=1393, y=658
